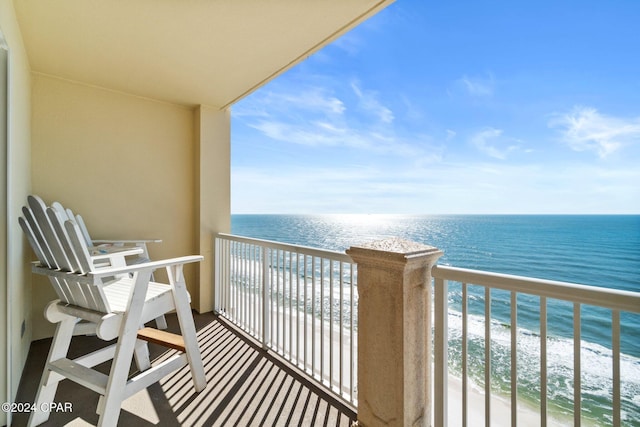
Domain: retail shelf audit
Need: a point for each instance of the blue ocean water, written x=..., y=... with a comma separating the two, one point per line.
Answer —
x=595, y=250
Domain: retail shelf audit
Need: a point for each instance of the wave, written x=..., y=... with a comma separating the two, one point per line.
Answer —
x=596, y=368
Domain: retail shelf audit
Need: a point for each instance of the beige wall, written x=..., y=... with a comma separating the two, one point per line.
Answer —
x=127, y=164
x=15, y=281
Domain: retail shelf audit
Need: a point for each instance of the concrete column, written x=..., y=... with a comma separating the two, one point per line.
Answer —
x=394, y=332
x=213, y=192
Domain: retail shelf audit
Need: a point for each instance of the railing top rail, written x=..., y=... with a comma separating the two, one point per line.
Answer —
x=590, y=295
x=304, y=250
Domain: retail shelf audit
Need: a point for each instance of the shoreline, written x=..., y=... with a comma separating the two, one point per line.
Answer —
x=527, y=415
x=500, y=407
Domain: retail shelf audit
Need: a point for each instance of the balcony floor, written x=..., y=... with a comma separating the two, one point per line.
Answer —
x=246, y=386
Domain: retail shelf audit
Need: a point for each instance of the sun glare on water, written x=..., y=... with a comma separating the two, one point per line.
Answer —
x=362, y=220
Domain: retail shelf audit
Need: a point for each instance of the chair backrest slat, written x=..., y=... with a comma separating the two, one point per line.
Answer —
x=97, y=299
x=31, y=238
x=39, y=211
x=83, y=228
x=60, y=288
x=37, y=233
x=61, y=210
x=67, y=295
x=79, y=246
x=57, y=221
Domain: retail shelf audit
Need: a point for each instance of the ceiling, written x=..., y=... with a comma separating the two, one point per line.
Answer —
x=190, y=52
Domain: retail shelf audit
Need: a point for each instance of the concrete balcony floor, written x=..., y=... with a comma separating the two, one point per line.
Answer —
x=246, y=386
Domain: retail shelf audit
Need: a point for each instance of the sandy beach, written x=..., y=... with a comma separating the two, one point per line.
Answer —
x=500, y=409
x=527, y=414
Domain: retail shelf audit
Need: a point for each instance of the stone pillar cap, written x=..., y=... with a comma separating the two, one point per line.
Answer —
x=393, y=248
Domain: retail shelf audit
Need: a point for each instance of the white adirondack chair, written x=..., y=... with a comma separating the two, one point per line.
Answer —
x=111, y=303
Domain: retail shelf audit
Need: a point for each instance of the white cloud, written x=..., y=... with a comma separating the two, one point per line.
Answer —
x=349, y=43
x=585, y=129
x=370, y=103
x=309, y=99
x=313, y=116
x=489, y=141
x=313, y=133
x=478, y=86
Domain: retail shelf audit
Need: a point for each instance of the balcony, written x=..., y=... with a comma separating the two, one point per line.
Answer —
x=282, y=348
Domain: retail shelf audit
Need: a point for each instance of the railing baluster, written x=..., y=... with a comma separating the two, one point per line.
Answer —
x=465, y=352
x=487, y=356
x=286, y=307
x=236, y=275
x=306, y=332
x=226, y=276
x=218, y=279
x=290, y=290
x=440, y=340
x=313, y=316
x=252, y=286
x=514, y=359
x=240, y=286
x=352, y=363
x=247, y=286
x=298, y=310
x=273, y=295
x=615, y=350
x=245, y=269
x=341, y=284
x=543, y=361
x=322, y=278
x=577, y=373
x=256, y=290
x=216, y=275
x=330, y=323
x=265, y=298
x=282, y=300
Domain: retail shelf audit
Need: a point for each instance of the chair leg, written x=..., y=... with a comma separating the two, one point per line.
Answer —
x=49, y=381
x=141, y=354
x=115, y=391
x=161, y=322
x=187, y=327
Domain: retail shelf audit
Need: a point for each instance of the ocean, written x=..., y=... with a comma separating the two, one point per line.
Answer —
x=595, y=250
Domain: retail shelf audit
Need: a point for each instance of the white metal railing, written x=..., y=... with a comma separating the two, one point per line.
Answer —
x=577, y=295
x=297, y=301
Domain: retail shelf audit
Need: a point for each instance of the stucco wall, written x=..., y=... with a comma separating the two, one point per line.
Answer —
x=15, y=281
x=127, y=164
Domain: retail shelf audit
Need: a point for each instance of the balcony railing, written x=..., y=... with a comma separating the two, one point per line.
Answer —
x=302, y=303
x=616, y=302
x=297, y=301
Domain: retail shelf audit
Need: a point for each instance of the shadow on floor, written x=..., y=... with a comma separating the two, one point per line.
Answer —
x=246, y=386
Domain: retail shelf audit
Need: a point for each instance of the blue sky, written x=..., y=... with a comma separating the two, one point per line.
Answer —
x=452, y=108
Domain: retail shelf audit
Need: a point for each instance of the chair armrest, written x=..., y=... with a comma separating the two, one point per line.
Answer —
x=152, y=265
x=111, y=252
x=125, y=241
